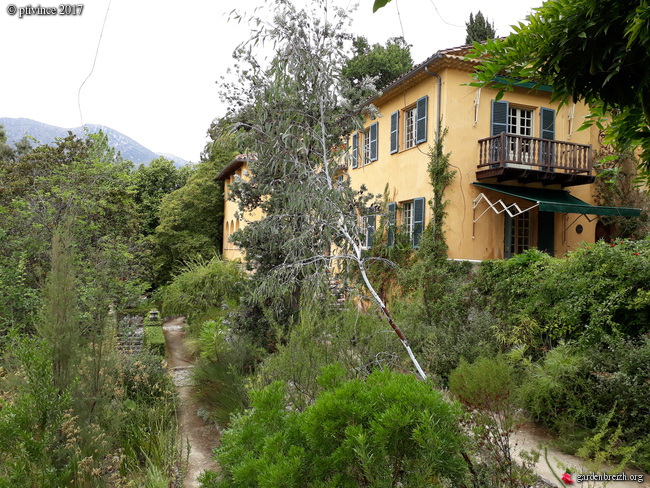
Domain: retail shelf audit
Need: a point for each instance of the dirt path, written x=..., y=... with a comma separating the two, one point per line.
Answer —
x=193, y=431
x=203, y=437
x=531, y=438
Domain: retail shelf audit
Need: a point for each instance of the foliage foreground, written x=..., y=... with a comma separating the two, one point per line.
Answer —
x=386, y=430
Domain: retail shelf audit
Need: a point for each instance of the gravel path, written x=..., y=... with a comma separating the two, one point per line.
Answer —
x=529, y=438
x=193, y=431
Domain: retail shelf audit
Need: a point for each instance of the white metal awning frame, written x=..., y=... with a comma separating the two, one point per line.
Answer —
x=513, y=210
x=498, y=207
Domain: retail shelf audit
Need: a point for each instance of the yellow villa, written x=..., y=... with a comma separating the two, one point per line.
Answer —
x=524, y=173
x=237, y=168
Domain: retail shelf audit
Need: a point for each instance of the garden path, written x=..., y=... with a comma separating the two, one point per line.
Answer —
x=530, y=438
x=196, y=434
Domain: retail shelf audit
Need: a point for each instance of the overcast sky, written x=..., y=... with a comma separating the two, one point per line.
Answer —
x=155, y=74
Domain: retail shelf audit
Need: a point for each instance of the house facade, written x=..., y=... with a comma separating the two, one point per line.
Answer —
x=233, y=220
x=524, y=173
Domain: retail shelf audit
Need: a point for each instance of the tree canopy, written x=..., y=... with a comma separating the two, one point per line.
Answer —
x=594, y=51
x=479, y=29
x=299, y=121
x=152, y=182
x=383, y=64
x=190, y=218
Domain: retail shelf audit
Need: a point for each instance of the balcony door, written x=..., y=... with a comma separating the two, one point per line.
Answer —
x=520, y=123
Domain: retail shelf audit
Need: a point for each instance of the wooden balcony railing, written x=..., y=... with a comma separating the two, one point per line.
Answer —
x=532, y=153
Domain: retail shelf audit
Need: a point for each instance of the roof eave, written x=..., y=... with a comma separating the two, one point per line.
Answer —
x=403, y=79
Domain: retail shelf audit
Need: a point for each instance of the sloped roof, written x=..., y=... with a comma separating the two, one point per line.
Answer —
x=454, y=57
x=235, y=164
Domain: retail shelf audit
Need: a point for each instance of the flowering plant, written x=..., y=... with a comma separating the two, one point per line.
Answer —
x=566, y=478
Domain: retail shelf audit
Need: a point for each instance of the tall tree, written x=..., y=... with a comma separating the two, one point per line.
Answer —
x=60, y=325
x=79, y=181
x=377, y=63
x=152, y=182
x=191, y=217
x=479, y=29
x=590, y=50
x=311, y=222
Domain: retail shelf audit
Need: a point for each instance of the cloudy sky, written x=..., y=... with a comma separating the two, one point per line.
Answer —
x=154, y=76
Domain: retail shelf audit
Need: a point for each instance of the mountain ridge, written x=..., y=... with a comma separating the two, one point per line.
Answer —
x=17, y=128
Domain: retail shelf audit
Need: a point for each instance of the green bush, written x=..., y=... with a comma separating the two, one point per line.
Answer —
x=486, y=389
x=321, y=337
x=573, y=390
x=441, y=317
x=202, y=284
x=389, y=430
x=219, y=387
x=598, y=290
x=83, y=435
x=154, y=339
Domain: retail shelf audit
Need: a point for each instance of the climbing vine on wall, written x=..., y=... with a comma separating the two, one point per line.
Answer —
x=440, y=177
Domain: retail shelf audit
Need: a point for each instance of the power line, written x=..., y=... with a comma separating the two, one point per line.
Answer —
x=448, y=23
x=101, y=34
x=399, y=16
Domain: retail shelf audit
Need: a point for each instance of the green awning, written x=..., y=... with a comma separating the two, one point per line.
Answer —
x=559, y=201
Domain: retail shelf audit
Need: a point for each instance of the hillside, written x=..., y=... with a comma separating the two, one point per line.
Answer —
x=17, y=128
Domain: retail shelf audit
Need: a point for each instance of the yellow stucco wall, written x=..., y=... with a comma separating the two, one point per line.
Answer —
x=231, y=222
x=406, y=171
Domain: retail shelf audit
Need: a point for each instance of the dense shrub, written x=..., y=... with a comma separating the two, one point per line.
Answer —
x=322, y=336
x=388, y=430
x=441, y=317
x=201, y=285
x=573, y=390
x=598, y=290
x=219, y=372
x=154, y=339
x=486, y=388
x=83, y=435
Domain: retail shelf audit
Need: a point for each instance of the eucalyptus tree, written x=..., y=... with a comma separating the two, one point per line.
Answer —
x=299, y=118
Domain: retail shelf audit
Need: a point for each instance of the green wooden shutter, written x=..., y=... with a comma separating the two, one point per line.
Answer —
x=499, y=117
x=418, y=220
x=421, y=120
x=507, y=236
x=394, y=132
x=355, y=150
x=547, y=131
x=373, y=141
x=392, y=221
x=547, y=116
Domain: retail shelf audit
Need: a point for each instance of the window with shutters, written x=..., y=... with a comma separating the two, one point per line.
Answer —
x=412, y=219
x=365, y=146
x=520, y=123
x=407, y=218
x=415, y=125
x=368, y=224
x=410, y=116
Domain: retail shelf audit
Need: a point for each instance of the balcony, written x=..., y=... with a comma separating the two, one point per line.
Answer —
x=508, y=157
